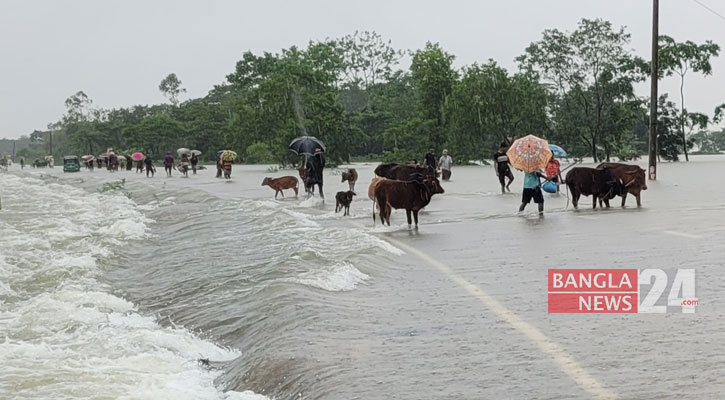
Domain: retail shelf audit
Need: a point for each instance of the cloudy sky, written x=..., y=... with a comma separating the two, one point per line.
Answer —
x=118, y=51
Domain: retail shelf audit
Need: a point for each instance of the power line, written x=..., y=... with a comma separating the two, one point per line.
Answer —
x=709, y=9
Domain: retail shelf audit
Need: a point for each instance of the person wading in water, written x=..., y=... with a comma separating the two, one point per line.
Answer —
x=445, y=164
x=532, y=190
x=315, y=166
x=168, y=163
x=149, y=166
x=502, y=168
x=194, y=161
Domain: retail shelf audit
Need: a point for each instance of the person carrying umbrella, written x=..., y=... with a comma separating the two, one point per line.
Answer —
x=315, y=166
x=184, y=165
x=530, y=154
x=112, y=162
x=194, y=161
x=312, y=148
x=532, y=190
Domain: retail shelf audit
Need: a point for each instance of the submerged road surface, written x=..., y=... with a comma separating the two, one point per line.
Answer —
x=329, y=307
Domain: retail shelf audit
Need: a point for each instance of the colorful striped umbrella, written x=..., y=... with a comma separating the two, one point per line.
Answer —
x=529, y=153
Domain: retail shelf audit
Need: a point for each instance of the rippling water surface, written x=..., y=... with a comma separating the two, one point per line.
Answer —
x=201, y=289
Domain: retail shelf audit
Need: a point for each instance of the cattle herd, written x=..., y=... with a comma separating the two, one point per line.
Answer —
x=605, y=182
x=411, y=187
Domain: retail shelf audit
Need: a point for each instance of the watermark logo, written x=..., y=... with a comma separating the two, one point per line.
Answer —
x=621, y=291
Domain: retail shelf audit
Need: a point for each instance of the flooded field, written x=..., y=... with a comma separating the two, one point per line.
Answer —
x=125, y=290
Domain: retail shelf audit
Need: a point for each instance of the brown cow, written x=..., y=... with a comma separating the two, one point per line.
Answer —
x=279, y=184
x=403, y=172
x=371, y=192
x=371, y=189
x=412, y=196
x=632, y=177
x=351, y=177
x=601, y=184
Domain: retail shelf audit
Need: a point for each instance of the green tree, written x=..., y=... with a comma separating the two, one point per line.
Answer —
x=78, y=107
x=171, y=88
x=488, y=106
x=155, y=135
x=719, y=113
x=433, y=76
x=367, y=58
x=680, y=58
x=258, y=153
x=291, y=94
x=669, y=140
x=590, y=75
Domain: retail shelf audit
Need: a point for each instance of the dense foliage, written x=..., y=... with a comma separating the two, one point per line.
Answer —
x=574, y=88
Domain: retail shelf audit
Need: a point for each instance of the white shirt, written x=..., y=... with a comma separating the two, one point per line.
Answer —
x=445, y=162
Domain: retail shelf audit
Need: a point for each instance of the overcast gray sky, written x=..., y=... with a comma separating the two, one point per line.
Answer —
x=118, y=51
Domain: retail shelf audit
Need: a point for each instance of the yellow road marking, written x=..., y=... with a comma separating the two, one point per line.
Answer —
x=563, y=360
x=683, y=234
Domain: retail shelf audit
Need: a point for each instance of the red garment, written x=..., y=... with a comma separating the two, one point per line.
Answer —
x=552, y=168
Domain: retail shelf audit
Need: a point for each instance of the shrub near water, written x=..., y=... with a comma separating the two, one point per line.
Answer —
x=259, y=153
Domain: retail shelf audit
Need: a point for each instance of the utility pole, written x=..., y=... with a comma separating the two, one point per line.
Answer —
x=653, y=93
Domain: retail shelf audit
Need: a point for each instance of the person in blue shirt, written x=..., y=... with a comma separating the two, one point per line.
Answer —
x=532, y=190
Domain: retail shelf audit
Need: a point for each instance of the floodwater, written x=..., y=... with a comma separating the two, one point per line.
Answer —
x=119, y=293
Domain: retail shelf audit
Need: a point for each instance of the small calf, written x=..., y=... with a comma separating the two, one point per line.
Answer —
x=351, y=177
x=279, y=184
x=343, y=200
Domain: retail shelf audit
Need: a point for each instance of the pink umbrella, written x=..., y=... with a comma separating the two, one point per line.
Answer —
x=137, y=156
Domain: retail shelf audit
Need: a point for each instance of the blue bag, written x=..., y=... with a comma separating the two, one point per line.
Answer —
x=549, y=187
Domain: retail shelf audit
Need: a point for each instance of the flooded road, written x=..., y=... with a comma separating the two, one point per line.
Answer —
x=290, y=300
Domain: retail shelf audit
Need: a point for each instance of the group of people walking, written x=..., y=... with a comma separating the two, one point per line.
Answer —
x=442, y=164
x=532, y=180
x=186, y=163
x=502, y=167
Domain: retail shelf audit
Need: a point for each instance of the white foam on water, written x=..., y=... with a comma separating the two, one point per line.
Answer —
x=302, y=223
x=338, y=277
x=245, y=395
x=380, y=228
x=312, y=202
x=63, y=334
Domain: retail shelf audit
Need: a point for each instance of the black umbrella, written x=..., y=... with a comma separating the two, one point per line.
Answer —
x=306, y=145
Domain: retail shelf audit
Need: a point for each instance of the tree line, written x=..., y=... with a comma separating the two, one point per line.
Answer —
x=574, y=88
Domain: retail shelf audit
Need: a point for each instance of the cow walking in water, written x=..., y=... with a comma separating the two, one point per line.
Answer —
x=404, y=172
x=632, y=178
x=280, y=184
x=411, y=196
x=351, y=177
x=601, y=184
x=343, y=200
